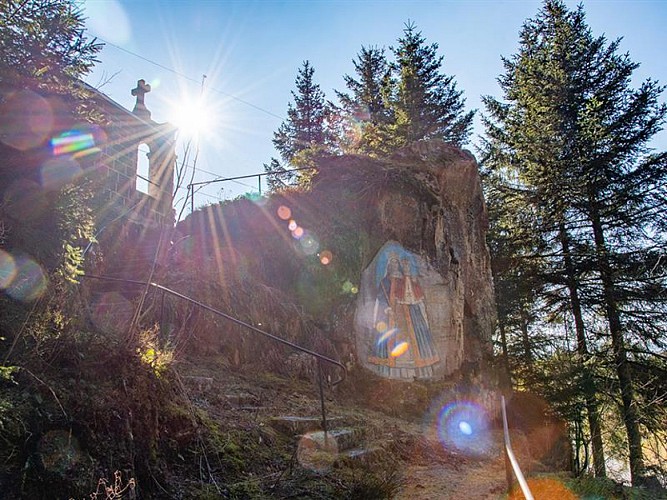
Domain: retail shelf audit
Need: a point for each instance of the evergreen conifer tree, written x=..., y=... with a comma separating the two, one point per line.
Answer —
x=305, y=132
x=365, y=108
x=576, y=134
x=425, y=102
x=44, y=41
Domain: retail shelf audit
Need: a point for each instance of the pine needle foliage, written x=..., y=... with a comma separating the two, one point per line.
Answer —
x=571, y=140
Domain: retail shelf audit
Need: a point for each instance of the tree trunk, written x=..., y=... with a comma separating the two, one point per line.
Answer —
x=507, y=382
x=630, y=415
x=582, y=349
x=525, y=339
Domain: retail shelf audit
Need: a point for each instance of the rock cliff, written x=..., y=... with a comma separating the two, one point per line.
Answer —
x=387, y=256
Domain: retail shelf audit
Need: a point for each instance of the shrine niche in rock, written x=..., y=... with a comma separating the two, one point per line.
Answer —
x=425, y=308
x=402, y=322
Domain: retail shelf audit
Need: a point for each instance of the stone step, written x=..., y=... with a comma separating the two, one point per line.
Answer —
x=198, y=384
x=334, y=441
x=358, y=455
x=294, y=425
x=255, y=409
x=356, y=452
x=319, y=450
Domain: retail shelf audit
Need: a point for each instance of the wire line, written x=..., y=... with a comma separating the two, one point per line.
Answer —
x=186, y=77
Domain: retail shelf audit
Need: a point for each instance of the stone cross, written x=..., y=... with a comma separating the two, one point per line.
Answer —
x=140, y=108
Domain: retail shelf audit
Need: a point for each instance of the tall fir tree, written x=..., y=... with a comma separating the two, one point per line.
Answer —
x=517, y=269
x=425, y=102
x=44, y=41
x=44, y=47
x=305, y=132
x=576, y=134
x=365, y=109
x=44, y=51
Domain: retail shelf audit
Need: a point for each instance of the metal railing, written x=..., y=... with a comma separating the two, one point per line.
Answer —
x=509, y=457
x=319, y=357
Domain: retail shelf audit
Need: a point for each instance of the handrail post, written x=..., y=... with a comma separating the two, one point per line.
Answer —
x=162, y=327
x=324, y=412
x=512, y=459
x=508, y=466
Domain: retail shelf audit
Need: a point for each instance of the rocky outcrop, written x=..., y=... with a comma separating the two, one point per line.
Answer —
x=454, y=237
x=373, y=245
x=432, y=312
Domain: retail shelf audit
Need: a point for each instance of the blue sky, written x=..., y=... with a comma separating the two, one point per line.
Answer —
x=251, y=51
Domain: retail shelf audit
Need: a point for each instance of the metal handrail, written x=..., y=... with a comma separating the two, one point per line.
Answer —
x=318, y=356
x=510, y=455
x=297, y=347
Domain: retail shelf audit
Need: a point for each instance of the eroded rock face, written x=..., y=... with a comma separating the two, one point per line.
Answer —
x=402, y=238
x=426, y=306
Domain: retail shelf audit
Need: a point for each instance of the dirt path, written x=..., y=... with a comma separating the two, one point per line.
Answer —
x=482, y=480
x=455, y=476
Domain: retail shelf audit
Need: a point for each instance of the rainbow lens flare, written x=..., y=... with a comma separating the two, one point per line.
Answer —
x=26, y=120
x=387, y=335
x=59, y=171
x=399, y=350
x=21, y=277
x=309, y=243
x=326, y=257
x=284, y=212
x=73, y=141
x=464, y=425
x=7, y=269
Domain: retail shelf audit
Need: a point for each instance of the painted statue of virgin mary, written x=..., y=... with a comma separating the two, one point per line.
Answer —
x=403, y=336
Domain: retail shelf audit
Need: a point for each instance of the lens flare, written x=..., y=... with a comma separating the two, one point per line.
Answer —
x=284, y=212
x=353, y=125
x=464, y=426
x=326, y=257
x=192, y=117
x=26, y=120
x=109, y=20
x=387, y=335
x=292, y=225
x=381, y=326
x=399, y=350
x=56, y=172
x=25, y=200
x=73, y=141
x=349, y=287
x=7, y=269
x=298, y=232
x=309, y=244
x=111, y=312
x=545, y=487
x=29, y=281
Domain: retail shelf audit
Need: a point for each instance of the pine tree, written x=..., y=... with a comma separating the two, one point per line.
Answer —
x=367, y=93
x=517, y=272
x=576, y=135
x=44, y=40
x=425, y=102
x=306, y=124
x=44, y=49
x=365, y=109
x=305, y=133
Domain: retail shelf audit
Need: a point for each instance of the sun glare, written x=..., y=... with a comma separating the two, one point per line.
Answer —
x=191, y=118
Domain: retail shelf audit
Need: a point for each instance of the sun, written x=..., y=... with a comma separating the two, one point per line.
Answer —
x=192, y=118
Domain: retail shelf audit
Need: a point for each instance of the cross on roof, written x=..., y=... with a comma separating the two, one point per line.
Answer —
x=140, y=108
